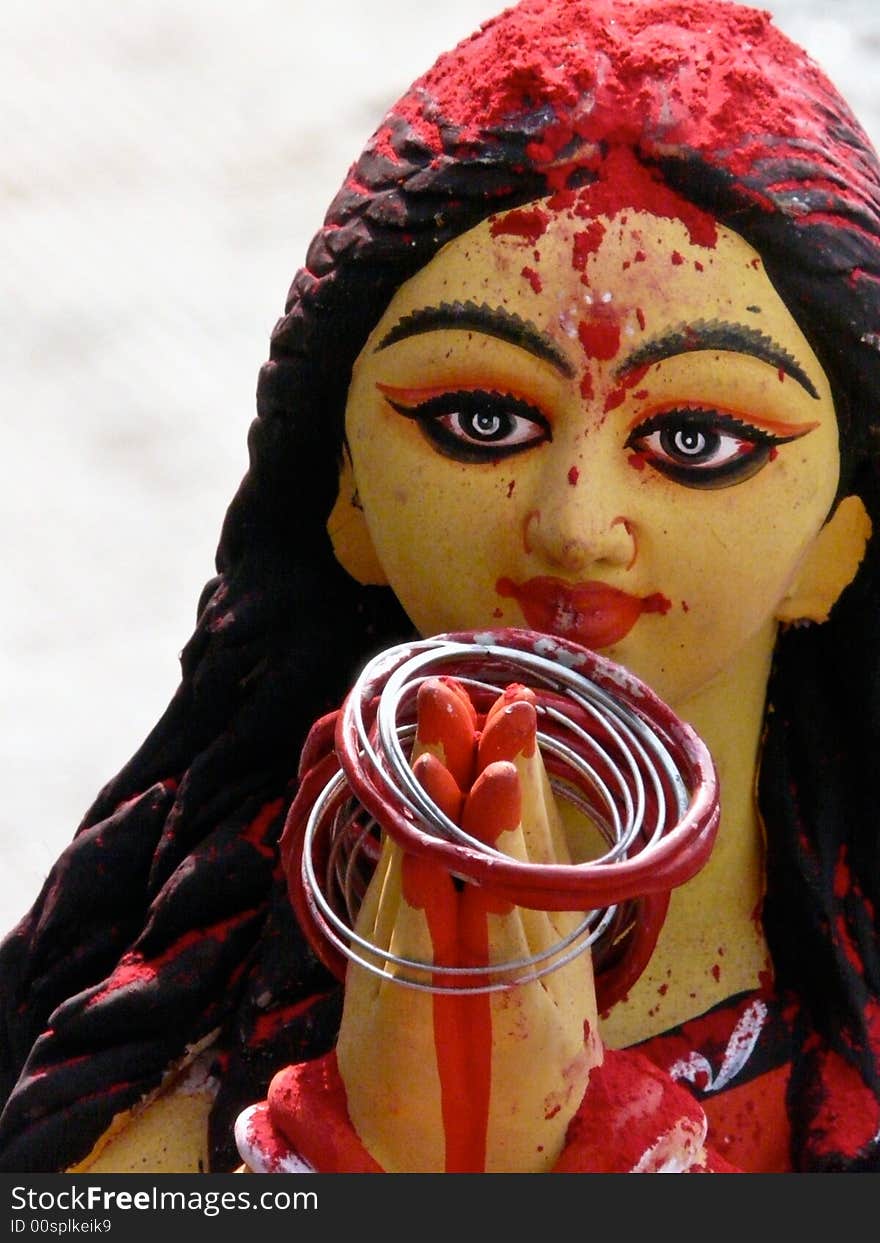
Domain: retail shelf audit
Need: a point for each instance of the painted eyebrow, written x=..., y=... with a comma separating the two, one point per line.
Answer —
x=494, y=321
x=717, y=335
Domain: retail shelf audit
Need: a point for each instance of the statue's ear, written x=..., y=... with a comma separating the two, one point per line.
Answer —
x=830, y=564
x=347, y=528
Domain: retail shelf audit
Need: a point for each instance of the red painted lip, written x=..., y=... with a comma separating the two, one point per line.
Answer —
x=592, y=614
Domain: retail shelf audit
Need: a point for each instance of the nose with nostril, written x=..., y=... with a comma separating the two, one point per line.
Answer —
x=569, y=536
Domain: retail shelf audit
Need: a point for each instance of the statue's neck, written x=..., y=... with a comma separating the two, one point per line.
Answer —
x=712, y=943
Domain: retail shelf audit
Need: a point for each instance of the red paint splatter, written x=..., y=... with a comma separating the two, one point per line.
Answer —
x=640, y=316
x=533, y=278
x=562, y=200
x=600, y=338
x=510, y=488
x=639, y=257
x=699, y=267
x=716, y=972
x=586, y=243
x=631, y=379
x=529, y=223
x=573, y=475
x=637, y=461
x=656, y=603
x=677, y=258
x=686, y=608
x=586, y=386
x=615, y=398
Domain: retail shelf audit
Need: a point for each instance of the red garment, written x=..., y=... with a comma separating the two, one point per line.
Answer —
x=736, y=1061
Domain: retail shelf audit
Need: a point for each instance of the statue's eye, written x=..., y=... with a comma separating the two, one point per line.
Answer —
x=476, y=425
x=703, y=448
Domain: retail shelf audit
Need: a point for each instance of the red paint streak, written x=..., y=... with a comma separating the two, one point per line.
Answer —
x=256, y=831
x=843, y=879
x=773, y=454
x=600, y=338
x=586, y=386
x=269, y=1024
x=463, y=1024
x=134, y=970
x=430, y=888
x=529, y=223
x=844, y=884
x=781, y=375
x=458, y=922
x=685, y=607
x=637, y=461
x=510, y=488
x=591, y=613
x=716, y=972
x=533, y=278
x=699, y=267
x=573, y=475
x=640, y=316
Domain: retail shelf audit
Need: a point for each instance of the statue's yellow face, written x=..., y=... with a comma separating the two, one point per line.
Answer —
x=596, y=427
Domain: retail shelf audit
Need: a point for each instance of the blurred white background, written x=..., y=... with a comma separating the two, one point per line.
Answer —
x=165, y=167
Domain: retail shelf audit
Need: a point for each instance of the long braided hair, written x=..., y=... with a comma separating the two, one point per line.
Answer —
x=164, y=927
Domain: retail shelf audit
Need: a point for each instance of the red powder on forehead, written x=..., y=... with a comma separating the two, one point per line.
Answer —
x=600, y=338
x=624, y=182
